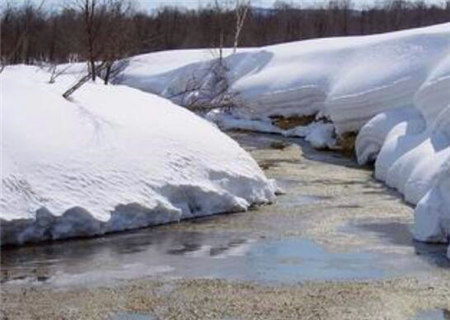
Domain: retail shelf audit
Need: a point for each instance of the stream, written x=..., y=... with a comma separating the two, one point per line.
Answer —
x=334, y=222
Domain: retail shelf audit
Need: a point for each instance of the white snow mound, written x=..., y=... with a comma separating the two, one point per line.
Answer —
x=112, y=158
x=348, y=79
x=393, y=88
x=412, y=152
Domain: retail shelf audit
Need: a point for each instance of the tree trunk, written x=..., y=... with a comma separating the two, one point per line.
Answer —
x=82, y=81
x=108, y=71
x=92, y=70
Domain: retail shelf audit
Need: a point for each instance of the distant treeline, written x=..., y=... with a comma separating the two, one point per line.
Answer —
x=106, y=30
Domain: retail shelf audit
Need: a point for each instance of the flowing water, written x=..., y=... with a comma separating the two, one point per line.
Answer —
x=318, y=230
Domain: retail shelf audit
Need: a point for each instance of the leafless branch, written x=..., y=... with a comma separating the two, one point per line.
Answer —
x=242, y=7
x=82, y=81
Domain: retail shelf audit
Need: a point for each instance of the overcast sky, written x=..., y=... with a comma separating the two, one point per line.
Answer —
x=192, y=4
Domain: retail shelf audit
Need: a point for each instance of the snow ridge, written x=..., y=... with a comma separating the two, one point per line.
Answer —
x=348, y=79
x=412, y=152
x=393, y=88
x=111, y=159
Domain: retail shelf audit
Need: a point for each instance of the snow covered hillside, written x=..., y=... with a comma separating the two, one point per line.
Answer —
x=394, y=89
x=112, y=158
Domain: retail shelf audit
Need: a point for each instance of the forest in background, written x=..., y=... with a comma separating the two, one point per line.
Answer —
x=108, y=30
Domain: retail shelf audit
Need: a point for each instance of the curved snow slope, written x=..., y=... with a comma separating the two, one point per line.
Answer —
x=350, y=79
x=152, y=72
x=113, y=158
x=412, y=151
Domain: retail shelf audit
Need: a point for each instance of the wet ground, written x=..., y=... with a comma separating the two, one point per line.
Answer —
x=334, y=223
x=433, y=314
x=194, y=254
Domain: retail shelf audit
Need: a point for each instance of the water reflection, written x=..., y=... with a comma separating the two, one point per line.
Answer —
x=131, y=316
x=400, y=234
x=434, y=314
x=198, y=254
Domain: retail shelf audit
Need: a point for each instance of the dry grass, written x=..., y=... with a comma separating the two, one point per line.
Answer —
x=286, y=123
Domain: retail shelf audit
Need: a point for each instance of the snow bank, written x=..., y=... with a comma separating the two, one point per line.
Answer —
x=348, y=79
x=160, y=72
x=319, y=134
x=112, y=158
x=393, y=88
x=373, y=134
x=412, y=151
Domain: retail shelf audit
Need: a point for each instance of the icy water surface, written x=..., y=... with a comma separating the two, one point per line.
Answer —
x=435, y=314
x=131, y=316
x=179, y=253
x=399, y=234
x=227, y=255
x=262, y=246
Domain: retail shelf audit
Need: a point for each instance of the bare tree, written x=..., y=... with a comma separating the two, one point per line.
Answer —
x=219, y=17
x=2, y=64
x=56, y=70
x=92, y=16
x=81, y=82
x=116, y=42
x=242, y=7
x=22, y=24
x=105, y=30
x=106, y=34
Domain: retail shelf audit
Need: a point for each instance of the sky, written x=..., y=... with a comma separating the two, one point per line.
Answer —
x=192, y=4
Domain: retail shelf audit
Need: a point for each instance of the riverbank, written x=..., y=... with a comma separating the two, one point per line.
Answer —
x=336, y=245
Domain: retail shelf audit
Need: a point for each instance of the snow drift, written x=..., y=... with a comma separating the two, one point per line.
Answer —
x=347, y=79
x=394, y=89
x=113, y=158
x=412, y=152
